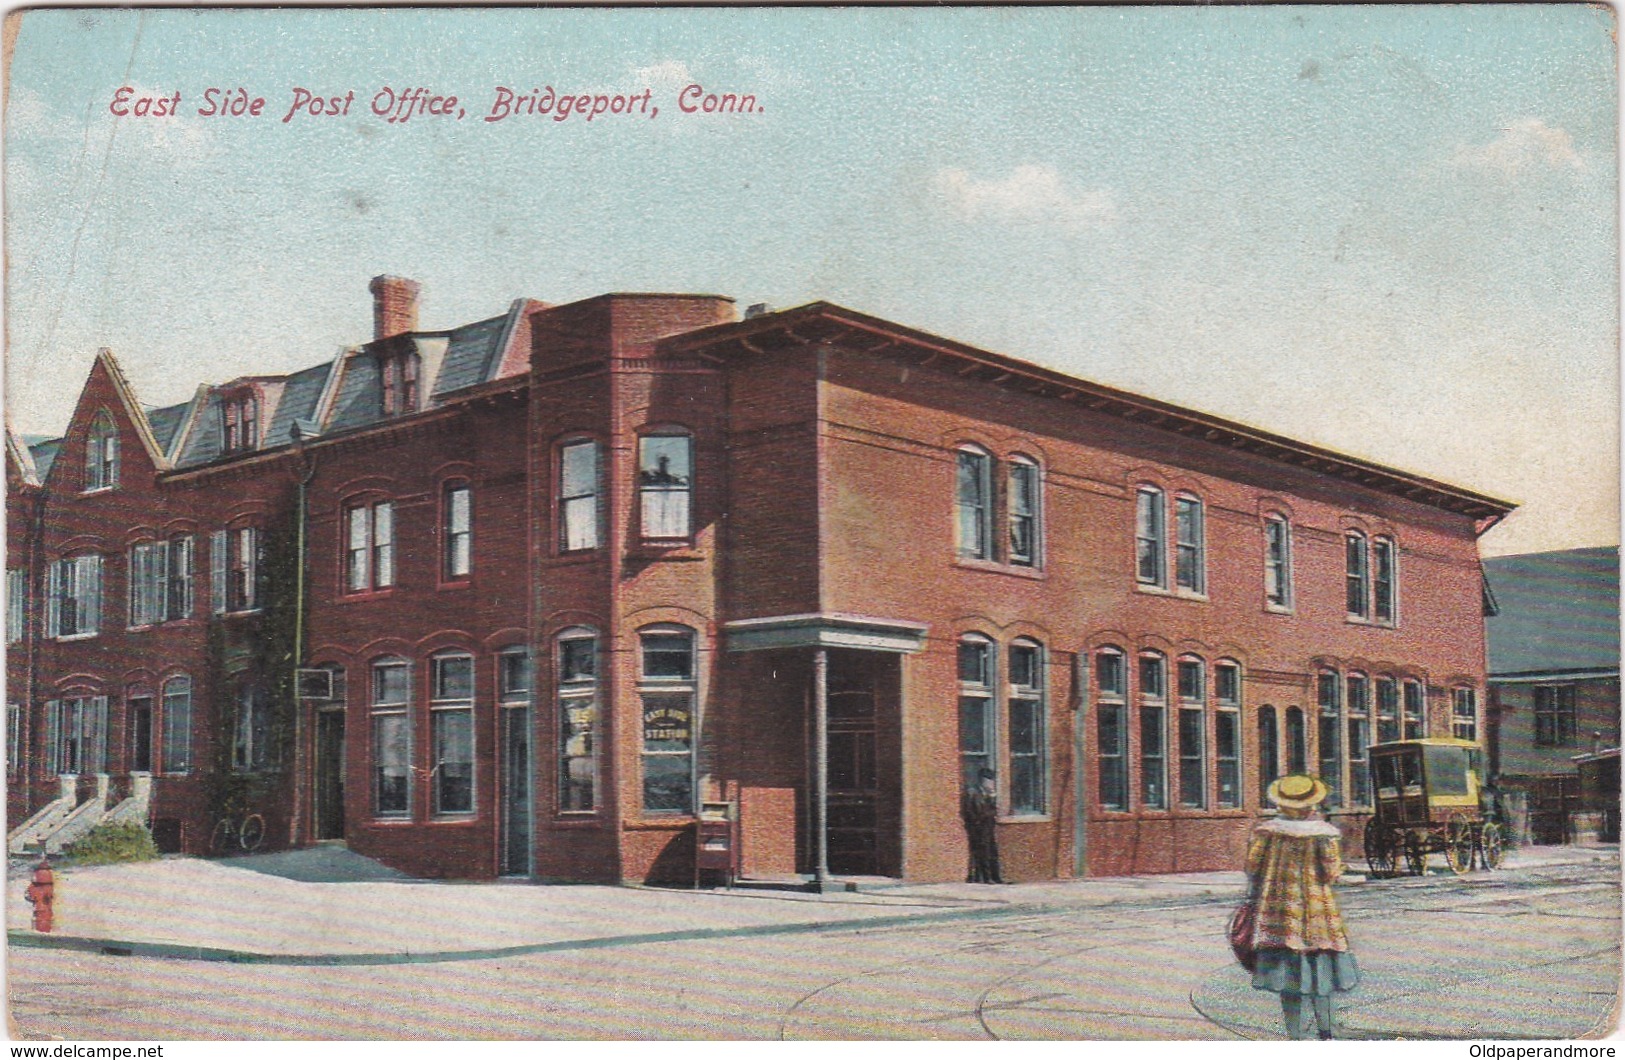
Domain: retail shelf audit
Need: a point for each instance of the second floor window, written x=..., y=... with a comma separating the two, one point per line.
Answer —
x=1024, y=497
x=459, y=536
x=1150, y=544
x=1190, y=547
x=1278, y=562
x=1357, y=577
x=1555, y=720
x=974, y=503
x=665, y=486
x=161, y=581
x=370, y=546
x=1385, y=579
x=235, y=567
x=73, y=596
x=578, y=497
x=101, y=454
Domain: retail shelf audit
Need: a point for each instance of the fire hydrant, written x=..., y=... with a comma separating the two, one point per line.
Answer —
x=41, y=894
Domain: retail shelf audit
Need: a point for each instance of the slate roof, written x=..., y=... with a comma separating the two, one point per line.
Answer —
x=165, y=422
x=473, y=355
x=44, y=451
x=1559, y=612
x=299, y=399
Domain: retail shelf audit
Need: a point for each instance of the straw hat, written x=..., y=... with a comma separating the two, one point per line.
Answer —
x=1297, y=792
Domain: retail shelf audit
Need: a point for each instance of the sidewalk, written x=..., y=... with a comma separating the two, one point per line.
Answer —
x=328, y=906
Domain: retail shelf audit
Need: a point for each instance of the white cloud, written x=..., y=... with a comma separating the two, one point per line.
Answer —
x=1528, y=143
x=669, y=73
x=1029, y=193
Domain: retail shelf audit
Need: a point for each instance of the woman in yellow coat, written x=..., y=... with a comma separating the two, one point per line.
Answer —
x=1292, y=862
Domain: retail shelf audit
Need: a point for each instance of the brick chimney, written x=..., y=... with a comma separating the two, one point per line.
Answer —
x=394, y=306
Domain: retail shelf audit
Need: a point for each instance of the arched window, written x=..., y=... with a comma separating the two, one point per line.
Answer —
x=1358, y=576
x=1387, y=709
x=1297, y=741
x=1150, y=537
x=977, y=742
x=973, y=497
x=1415, y=710
x=1026, y=512
x=1269, y=751
x=668, y=688
x=101, y=454
x=391, y=737
x=578, y=719
x=1227, y=732
x=451, y=719
x=1464, y=713
x=1358, y=704
x=578, y=503
x=1330, y=735
x=1029, y=737
x=1385, y=580
x=1192, y=732
x=1190, y=544
x=1111, y=727
x=176, y=747
x=457, y=534
x=666, y=485
x=1153, y=731
x=1278, y=562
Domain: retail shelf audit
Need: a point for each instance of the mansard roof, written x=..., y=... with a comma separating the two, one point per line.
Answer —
x=818, y=322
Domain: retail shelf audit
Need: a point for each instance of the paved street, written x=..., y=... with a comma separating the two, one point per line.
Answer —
x=1531, y=952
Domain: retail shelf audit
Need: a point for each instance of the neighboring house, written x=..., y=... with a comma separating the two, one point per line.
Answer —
x=553, y=579
x=1554, y=676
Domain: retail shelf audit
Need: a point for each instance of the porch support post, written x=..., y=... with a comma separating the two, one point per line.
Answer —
x=821, y=767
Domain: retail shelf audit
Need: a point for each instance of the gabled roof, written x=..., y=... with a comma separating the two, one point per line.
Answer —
x=827, y=322
x=19, y=455
x=1558, y=613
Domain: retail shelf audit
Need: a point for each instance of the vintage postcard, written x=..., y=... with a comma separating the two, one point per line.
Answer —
x=782, y=523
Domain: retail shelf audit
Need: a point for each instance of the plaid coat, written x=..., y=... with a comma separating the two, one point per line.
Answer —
x=1291, y=864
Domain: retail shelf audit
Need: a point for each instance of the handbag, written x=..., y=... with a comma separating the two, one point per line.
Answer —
x=1242, y=924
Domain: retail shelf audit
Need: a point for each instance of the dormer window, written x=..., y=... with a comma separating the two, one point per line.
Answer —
x=101, y=454
x=399, y=372
x=239, y=422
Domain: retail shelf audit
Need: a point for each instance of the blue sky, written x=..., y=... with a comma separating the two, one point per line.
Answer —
x=1389, y=230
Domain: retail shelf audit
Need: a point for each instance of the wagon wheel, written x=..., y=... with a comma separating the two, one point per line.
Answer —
x=1492, y=847
x=1416, y=855
x=222, y=839
x=1458, y=844
x=1379, y=849
x=253, y=832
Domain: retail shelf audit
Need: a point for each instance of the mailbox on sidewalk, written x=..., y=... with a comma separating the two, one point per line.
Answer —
x=716, y=841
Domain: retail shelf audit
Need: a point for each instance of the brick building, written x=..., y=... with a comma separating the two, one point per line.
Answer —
x=1553, y=677
x=516, y=597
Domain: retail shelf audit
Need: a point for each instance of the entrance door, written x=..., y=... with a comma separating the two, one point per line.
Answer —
x=141, y=734
x=853, y=788
x=329, y=778
x=515, y=791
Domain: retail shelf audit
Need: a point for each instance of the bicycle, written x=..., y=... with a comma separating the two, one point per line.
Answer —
x=245, y=834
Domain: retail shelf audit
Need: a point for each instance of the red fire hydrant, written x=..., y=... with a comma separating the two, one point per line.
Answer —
x=41, y=893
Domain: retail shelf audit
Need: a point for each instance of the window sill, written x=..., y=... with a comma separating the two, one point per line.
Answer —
x=663, y=822
x=577, y=819
x=460, y=817
x=677, y=551
x=77, y=636
x=239, y=611
x=391, y=822
x=1172, y=594
x=98, y=489
x=451, y=584
x=1280, y=609
x=573, y=559
x=1356, y=620
x=987, y=566
x=1026, y=818
x=356, y=596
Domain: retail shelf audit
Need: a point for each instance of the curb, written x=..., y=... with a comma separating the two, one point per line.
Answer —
x=180, y=951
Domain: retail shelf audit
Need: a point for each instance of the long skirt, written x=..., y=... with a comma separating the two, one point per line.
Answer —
x=1311, y=973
